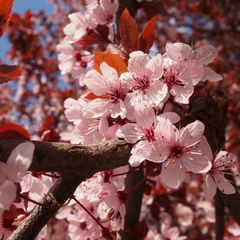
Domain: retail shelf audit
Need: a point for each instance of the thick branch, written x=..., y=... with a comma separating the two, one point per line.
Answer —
x=57, y=196
x=75, y=163
x=73, y=160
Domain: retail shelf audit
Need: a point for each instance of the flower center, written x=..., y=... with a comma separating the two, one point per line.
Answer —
x=78, y=57
x=115, y=94
x=176, y=151
x=149, y=134
x=172, y=79
x=142, y=83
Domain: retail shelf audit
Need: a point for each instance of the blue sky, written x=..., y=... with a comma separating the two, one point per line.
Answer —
x=20, y=6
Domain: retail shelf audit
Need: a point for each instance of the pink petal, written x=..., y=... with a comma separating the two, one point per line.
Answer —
x=172, y=116
x=223, y=184
x=137, y=157
x=210, y=75
x=8, y=193
x=171, y=174
x=191, y=134
x=20, y=160
x=209, y=186
x=130, y=132
x=207, y=53
x=197, y=160
x=155, y=64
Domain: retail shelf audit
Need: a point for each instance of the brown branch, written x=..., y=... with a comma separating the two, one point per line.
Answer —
x=57, y=196
x=75, y=163
x=73, y=160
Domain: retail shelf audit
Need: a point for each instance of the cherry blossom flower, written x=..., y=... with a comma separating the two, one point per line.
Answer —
x=115, y=201
x=78, y=27
x=86, y=130
x=186, y=151
x=13, y=171
x=109, y=90
x=90, y=130
x=74, y=109
x=196, y=60
x=185, y=215
x=144, y=134
x=74, y=62
x=209, y=210
x=214, y=178
x=104, y=11
x=176, y=76
x=143, y=80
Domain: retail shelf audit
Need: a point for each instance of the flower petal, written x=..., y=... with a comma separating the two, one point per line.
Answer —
x=20, y=160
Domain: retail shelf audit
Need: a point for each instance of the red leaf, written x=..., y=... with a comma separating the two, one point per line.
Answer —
x=128, y=31
x=113, y=60
x=146, y=38
x=5, y=10
x=8, y=73
x=92, y=38
x=11, y=131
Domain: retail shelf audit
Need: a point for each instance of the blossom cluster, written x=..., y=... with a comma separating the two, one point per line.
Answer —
x=77, y=62
x=130, y=104
x=11, y=174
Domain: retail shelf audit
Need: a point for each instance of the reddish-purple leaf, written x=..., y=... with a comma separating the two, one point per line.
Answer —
x=8, y=73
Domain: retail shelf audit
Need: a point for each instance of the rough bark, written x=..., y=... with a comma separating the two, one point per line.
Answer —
x=73, y=160
x=133, y=203
x=57, y=196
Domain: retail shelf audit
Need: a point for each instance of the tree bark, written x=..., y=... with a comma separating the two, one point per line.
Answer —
x=40, y=215
x=73, y=160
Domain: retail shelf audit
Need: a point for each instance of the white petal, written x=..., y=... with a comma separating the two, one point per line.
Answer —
x=20, y=160
x=210, y=75
x=191, y=134
x=8, y=193
x=223, y=184
x=172, y=175
x=209, y=186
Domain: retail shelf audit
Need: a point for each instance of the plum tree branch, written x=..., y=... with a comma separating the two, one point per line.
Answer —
x=39, y=217
x=75, y=163
x=73, y=160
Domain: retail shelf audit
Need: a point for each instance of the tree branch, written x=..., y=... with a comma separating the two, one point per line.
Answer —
x=39, y=217
x=73, y=160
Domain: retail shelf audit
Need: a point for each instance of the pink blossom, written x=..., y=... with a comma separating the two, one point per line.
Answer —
x=103, y=12
x=109, y=89
x=195, y=60
x=185, y=215
x=178, y=79
x=74, y=62
x=186, y=151
x=74, y=109
x=90, y=130
x=214, y=178
x=144, y=134
x=143, y=80
x=115, y=201
x=78, y=27
x=209, y=210
x=8, y=193
x=13, y=171
x=86, y=130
